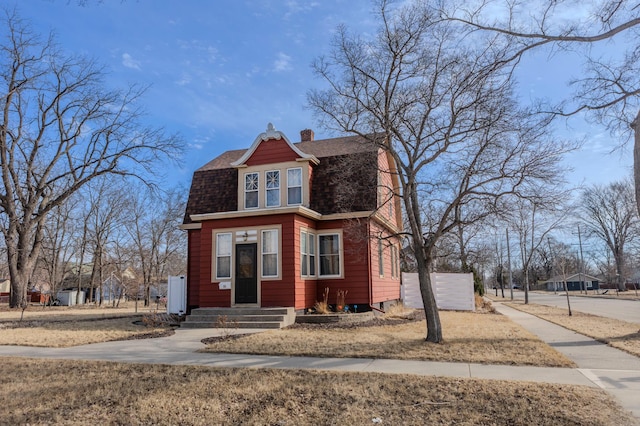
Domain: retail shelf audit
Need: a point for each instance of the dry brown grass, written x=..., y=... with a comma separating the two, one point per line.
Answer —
x=618, y=334
x=75, y=332
x=64, y=313
x=79, y=393
x=468, y=337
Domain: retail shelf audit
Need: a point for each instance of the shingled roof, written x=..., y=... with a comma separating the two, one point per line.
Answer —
x=319, y=148
x=347, y=160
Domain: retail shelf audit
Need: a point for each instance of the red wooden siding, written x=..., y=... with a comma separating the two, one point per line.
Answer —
x=270, y=152
x=210, y=295
x=386, y=287
x=360, y=268
x=193, y=274
x=355, y=264
x=305, y=288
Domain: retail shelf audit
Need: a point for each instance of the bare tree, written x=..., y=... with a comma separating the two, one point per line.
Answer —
x=609, y=85
x=158, y=243
x=106, y=203
x=60, y=128
x=609, y=213
x=534, y=219
x=444, y=108
x=57, y=246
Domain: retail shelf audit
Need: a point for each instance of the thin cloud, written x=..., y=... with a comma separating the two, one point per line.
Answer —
x=129, y=62
x=282, y=63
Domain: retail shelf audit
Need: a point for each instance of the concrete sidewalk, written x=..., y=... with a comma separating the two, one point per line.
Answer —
x=599, y=365
x=611, y=369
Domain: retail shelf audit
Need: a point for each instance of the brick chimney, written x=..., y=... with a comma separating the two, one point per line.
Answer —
x=306, y=135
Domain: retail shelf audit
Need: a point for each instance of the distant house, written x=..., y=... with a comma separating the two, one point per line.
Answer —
x=574, y=282
x=277, y=223
x=5, y=285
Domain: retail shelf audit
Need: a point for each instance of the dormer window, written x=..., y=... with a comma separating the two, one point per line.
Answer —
x=273, y=188
x=294, y=186
x=251, y=186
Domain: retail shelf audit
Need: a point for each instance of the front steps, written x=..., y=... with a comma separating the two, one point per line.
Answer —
x=231, y=318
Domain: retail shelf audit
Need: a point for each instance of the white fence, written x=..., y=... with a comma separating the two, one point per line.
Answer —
x=452, y=291
x=177, y=295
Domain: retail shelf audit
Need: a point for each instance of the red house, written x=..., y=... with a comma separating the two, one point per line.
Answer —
x=277, y=223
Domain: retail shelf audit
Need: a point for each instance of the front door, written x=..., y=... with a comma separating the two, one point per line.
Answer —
x=246, y=290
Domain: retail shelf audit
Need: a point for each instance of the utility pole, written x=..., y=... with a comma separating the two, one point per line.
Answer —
x=555, y=287
x=582, y=277
x=509, y=263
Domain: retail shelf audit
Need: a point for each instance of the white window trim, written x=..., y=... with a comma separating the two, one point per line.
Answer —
x=266, y=190
x=256, y=190
x=315, y=256
x=311, y=251
x=394, y=261
x=380, y=257
x=230, y=256
x=301, y=186
x=340, y=254
x=262, y=253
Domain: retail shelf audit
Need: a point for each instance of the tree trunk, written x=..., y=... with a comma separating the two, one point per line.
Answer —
x=434, y=327
x=422, y=251
x=636, y=158
x=22, y=261
x=620, y=267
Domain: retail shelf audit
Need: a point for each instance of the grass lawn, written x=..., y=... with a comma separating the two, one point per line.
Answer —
x=88, y=392
x=468, y=337
x=72, y=327
x=83, y=392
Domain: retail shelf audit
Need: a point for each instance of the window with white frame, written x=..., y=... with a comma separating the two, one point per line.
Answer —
x=223, y=255
x=251, y=185
x=394, y=261
x=272, y=184
x=270, y=253
x=380, y=257
x=312, y=255
x=294, y=186
x=307, y=254
x=329, y=254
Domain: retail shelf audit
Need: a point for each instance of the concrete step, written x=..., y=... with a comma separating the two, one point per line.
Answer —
x=240, y=318
x=237, y=318
x=234, y=325
x=241, y=311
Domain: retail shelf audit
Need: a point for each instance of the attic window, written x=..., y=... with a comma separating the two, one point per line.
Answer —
x=294, y=186
x=273, y=188
x=251, y=181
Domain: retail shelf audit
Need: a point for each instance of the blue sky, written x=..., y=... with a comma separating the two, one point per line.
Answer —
x=220, y=70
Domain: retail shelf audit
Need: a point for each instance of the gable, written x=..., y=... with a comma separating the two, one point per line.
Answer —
x=271, y=151
x=256, y=154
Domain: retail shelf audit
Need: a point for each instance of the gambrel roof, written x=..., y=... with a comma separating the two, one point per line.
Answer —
x=350, y=161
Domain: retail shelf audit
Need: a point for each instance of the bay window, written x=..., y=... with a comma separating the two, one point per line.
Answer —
x=307, y=254
x=329, y=254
